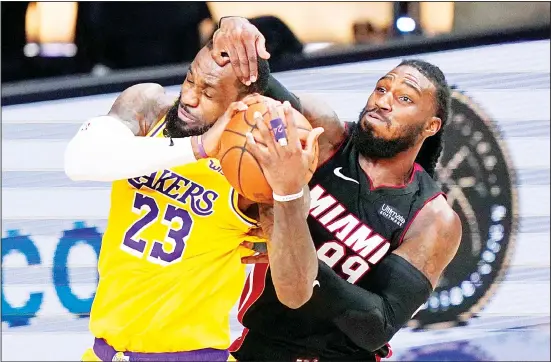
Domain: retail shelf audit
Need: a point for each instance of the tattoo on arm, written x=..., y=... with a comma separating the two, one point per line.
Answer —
x=266, y=218
x=140, y=107
x=422, y=259
x=431, y=243
x=422, y=256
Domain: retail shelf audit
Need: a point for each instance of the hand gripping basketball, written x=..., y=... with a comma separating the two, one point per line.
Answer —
x=285, y=163
x=211, y=138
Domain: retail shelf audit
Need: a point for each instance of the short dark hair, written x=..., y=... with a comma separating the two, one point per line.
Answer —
x=261, y=83
x=432, y=147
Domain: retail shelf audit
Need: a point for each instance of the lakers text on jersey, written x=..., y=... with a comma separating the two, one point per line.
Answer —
x=170, y=263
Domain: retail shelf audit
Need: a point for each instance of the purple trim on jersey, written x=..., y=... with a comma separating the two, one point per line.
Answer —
x=156, y=131
x=106, y=353
x=237, y=211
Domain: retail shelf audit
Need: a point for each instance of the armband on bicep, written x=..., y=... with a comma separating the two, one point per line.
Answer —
x=398, y=291
x=371, y=317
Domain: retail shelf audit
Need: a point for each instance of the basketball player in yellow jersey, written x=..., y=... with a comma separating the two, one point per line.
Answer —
x=170, y=264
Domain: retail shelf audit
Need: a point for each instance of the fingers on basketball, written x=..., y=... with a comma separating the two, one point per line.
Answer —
x=265, y=132
x=253, y=99
x=234, y=108
x=239, y=162
x=291, y=125
x=240, y=166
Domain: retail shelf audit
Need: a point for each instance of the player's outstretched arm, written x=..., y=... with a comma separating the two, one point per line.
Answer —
x=403, y=280
x=113, y=147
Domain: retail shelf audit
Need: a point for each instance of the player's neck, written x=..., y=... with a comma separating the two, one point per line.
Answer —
x=395, y=171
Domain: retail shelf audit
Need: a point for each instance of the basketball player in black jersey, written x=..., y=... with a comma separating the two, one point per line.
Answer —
x=341, y=282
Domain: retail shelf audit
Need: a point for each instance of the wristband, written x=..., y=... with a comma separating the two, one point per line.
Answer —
x=202, y=152
x=286, y=198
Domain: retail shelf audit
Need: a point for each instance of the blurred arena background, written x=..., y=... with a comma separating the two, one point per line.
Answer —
x=65, y=62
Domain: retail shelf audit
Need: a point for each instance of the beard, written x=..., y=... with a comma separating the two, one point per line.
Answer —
x=374, y=147
x=177, y=128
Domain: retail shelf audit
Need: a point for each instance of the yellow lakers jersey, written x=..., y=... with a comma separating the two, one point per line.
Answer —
x=169, y=266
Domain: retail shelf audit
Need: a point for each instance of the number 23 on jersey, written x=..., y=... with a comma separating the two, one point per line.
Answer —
x=177, y=220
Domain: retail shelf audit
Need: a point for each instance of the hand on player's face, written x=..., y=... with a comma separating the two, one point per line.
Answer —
x=285, y=166
x=238, y=41
x=211, y=138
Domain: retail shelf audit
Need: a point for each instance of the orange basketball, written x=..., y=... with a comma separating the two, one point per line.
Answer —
x=239, y=165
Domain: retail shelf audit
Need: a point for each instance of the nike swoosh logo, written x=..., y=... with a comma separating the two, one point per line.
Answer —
x=316, y=283
x=338, y=173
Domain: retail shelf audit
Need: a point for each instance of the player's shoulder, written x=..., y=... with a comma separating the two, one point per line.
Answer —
x=437, y=215
x=439, y=208
x=143, y=87
x=141, y=106
x=145, y=92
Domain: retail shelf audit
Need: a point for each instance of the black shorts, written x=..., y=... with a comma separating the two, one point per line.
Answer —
x=255, y=347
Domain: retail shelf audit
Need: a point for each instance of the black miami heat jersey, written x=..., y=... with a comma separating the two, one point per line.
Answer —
x=353, y=225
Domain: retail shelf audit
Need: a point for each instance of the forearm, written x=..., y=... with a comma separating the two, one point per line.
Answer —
x=277, y=91
x=370, y=318
x=108, y=151
x=293, y=258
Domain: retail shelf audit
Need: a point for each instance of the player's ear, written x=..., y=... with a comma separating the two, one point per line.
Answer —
x=433, y=126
